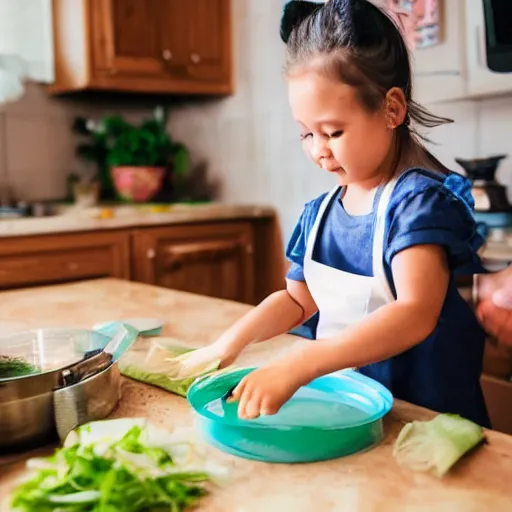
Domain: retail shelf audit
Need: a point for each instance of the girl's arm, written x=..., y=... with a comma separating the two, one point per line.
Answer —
x=277, y=314
x=421, y=278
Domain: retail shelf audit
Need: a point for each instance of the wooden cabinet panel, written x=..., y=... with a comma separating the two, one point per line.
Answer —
x=127, y=37
x=498, y=397
x=209, y=46
x=198, y=48
x=149, y=46
x=214, y=260
x=60, y=258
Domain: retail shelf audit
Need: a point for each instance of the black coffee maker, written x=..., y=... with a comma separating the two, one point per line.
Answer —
x=489, y=195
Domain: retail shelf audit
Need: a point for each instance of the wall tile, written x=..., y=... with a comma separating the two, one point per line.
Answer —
x=40, y=154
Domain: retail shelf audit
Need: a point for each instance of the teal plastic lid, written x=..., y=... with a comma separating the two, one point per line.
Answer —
x=343, y=411
x=145, y=326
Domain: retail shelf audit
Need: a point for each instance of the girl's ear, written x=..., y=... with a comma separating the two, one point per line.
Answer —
x=395, y=108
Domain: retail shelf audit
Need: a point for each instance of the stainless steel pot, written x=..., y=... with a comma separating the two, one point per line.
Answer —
x=36, y=408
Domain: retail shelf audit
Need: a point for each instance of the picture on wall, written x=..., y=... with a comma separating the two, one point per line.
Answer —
x=420, y=21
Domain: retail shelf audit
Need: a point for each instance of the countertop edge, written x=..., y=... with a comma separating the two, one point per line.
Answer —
x=14, y=228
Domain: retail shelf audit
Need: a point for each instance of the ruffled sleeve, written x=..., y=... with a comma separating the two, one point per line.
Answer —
x=438, y=214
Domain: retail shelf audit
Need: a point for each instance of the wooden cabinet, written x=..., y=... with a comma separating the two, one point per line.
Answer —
x=40, y=260
x=195, y=51
x=216, y=261
x=150, y=46
x=127, y=38
x=236, y=259
x=498, y=397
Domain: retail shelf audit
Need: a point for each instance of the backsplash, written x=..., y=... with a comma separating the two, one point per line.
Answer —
x=249, y=140
x=37, y=146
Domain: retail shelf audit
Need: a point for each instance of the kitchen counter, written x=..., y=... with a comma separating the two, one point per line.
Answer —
x=365, y=482
x=117, y=217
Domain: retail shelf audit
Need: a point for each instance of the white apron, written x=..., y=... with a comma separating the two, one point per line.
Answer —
x=344, y=298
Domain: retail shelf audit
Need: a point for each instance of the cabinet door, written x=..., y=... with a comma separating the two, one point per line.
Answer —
x=127, y=37
x=197, y=48
x=498, y=397
x=210, y=46
x=214, y=260
x=40, y=260
x=440, y=71
x=481, y=80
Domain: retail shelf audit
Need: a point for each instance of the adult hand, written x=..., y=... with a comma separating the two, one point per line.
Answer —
x=494, y=309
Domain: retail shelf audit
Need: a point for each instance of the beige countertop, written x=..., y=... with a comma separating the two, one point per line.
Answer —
x=366, y=482
x=117, y=217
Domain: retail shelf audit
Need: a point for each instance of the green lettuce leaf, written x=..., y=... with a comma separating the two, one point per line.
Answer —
x=435, y=446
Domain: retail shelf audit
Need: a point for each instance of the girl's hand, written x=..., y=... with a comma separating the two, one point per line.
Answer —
x=265, y=390
x=206, y=355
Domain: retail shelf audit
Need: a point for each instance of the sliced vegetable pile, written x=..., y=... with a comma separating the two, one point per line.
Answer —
x=435, y=446
x=124, y=465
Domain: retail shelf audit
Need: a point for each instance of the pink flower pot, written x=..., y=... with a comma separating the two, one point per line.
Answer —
x=137, y=184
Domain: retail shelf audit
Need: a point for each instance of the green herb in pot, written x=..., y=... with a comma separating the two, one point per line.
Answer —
x=15, y=367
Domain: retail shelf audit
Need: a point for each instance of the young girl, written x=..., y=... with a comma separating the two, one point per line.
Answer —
x=373, y=261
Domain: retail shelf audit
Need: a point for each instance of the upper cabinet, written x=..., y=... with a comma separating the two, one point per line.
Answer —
x=151, y=46
x=457, y=67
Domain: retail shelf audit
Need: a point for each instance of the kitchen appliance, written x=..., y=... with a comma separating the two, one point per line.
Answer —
x=498, y=36
x=333, y=416
x=492, y=211
x=36, y=408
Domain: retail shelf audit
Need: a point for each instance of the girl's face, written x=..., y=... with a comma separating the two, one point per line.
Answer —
x=337, y=132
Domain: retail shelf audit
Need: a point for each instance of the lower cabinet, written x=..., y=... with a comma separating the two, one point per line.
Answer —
x=233, y=260
x=50, y=259
x=213, y=260
x=498, y=397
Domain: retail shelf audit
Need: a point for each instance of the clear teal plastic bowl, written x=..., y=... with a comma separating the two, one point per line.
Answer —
x=334, y=416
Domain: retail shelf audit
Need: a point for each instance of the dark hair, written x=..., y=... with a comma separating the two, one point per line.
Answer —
x=364, y=49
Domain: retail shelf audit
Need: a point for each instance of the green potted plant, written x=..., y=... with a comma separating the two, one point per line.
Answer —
x=132, y=159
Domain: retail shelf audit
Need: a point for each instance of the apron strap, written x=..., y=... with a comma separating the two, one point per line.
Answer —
x=310, y=244
x=379, y=238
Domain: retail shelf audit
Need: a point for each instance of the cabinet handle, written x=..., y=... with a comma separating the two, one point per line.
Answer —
x=150, y=254
x=72, y=266
x=195, y=58
x=177, y=256
x=167, y=55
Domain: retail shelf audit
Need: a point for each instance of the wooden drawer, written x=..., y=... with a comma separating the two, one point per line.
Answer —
x=42, y=260
x=498, y=397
